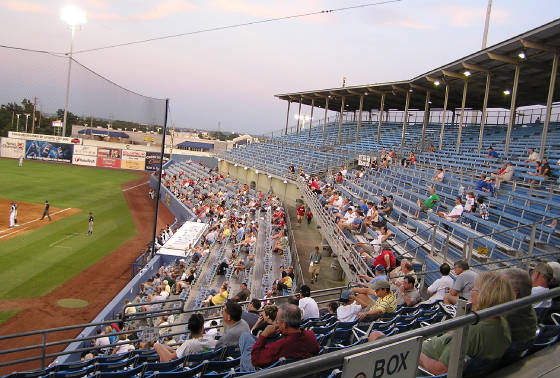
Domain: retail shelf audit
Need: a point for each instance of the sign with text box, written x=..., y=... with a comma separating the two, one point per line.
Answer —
x=364, y=160
x=398, y=360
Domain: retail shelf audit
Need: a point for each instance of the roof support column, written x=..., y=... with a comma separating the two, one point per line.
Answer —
x=288, y=117
x=444, y=118
x=484, y=108
x=380, y=118
x=311, y=118
x=405, y=119
x=551, y=85
x=340, y=121
x=325, y=120
x=359, y=123
x=461, y=118
x=512, y=109
x=298, y=117
x=426, y=118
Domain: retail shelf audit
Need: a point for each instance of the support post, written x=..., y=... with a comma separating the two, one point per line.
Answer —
x=405, y=119
x=380, y=118
x=325, y=120
x=154, y=233
x=340, y=121
x=298, y=117
x=484, y=109
x=311, y=118
x=359, y=123
x=426, y=118
x=33, y=116
x=459, y=343
x=551, y=85
x=512, y=109
x=461, y=118
x=444, y=118
x=288, y=117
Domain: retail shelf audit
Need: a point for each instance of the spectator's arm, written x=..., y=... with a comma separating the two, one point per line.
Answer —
x=263, y=354
x=433, y=366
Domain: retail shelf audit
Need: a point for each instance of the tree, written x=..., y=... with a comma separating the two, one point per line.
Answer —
x=71, y=119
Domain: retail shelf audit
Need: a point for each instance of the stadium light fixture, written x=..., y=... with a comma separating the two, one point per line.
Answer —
x=269, y=176
x=436, y=83
x=429, y=102
x=257, y=171
x=507, y=92
x=467, y=73
x=245, y=168
x=365, y=93
x=285, y=181
x=235, y=165
x=75, y=18
x=522, y=55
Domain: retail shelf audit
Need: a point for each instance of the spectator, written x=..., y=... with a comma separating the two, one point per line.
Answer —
x=455, y=213
x=439, y=175
x=348, y=310
x=441, y=286
x=125, y=346
x=462, y=288
x=211, y=331
x=294, y=344
x=268, y=317
x=380, y=274
x=235, y=325
x=533, y=156
x=252, y=314
x=492, y=154
x=387, y=208
x=504, y=174
x=429, y=203
x=470, y=203
x=542, y=277
x=217, y=299
x=307, y=304
x=375, y=246
x=308, y=215
x=243, y=294
x=485, y=184
x=487, y=339
x=482, y=208
x=545, y=169
x=285, y=283
x=315, y=264
x=523, y=321
x=197, y=343
x=102, y=341
x=386, y=301
x=300, y=213
x=407, y=293
x=397, y=275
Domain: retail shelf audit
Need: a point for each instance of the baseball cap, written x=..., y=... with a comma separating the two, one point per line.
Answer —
x=345, y=295
x=546, y=270
x=488, y=179
x=380, y=268
x=381, y=284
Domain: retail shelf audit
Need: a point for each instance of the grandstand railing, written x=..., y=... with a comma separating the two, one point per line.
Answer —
x=458, y=324
x=469, y=246
x=295, y=255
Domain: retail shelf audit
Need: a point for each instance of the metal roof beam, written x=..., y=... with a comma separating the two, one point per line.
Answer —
x=453, y=74
x=419, y=87
x=376, y=91
x=502, y=58
x=539, y=46
x=475, y=67
x=399, y=89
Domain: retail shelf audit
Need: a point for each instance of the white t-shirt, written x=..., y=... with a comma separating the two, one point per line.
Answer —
x=309, y=307
x=469, y=203
x=457, y=210
x=438, y=288
x=191, y=346
x=544, y=304
x=533, y=156
x=348, y=313
x=125, y=348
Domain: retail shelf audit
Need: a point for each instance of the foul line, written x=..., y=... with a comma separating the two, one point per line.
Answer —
x=28, y=222
x=58, y=241
x=135, y=186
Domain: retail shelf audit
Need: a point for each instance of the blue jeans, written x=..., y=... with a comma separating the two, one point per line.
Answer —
x=246, y=342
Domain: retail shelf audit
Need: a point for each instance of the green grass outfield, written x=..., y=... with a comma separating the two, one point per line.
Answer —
x=35, y=263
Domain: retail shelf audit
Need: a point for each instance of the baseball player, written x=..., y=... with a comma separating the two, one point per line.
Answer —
x=46, y=211
x=13, y=214
x=90, y=226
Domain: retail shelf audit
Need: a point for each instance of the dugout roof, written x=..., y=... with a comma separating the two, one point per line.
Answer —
x=500, y=60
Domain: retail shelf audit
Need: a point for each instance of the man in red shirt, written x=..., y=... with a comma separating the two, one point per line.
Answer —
x=295, y=343
x=385, y=258
x=300, y=213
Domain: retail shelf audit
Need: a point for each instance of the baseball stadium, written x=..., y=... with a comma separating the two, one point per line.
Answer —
x=402, y=228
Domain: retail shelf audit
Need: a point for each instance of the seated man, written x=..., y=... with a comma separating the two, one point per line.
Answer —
x=281, y=245
x=429, y=203
x=244, y=265
x=485, y=184
x=386, y=302
x=455, y=213
x=504, y=174
x=462, y=287
x=243, y=294
x=492, y=154
x=542, y=277
x=408, y=295
x=197, y=343
x=295, y=343
x=533, y=156
x=235, y=325
x=440, y=286
x=374, y=247
x=215, y=298
x=349, y=309
x=439, y=175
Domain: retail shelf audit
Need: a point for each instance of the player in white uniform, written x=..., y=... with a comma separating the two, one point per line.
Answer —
x=13, y=214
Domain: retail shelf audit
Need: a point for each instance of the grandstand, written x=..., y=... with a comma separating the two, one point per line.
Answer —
x=244, y=204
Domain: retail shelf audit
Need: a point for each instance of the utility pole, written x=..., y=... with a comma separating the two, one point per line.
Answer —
x=12, y=126
x=40, y=116
x=486, y=24
x=33, y=119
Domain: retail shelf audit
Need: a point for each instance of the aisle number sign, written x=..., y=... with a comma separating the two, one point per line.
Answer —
x=398, y=360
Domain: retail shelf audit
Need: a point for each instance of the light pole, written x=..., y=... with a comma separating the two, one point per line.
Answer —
x=26, y=118
x=17, y=123
x=303, y=118
x=75, y=18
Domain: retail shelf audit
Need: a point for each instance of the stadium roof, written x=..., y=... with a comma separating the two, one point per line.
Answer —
x=500, y=60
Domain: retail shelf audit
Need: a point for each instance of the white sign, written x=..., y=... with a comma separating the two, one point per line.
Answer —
x=12, y=148
x=84, y=160
x=364, y=160
x=85, y=150
x=398, y=360
x=44, y=137
x=133, y=155
x=56, y=123
x=187, y=234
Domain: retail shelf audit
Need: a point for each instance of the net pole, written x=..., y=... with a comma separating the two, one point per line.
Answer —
x=154, y=234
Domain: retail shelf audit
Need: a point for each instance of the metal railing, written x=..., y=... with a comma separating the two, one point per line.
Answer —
x=293, y=250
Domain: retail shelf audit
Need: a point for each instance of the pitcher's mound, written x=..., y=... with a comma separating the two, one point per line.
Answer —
x=72, y=303
x=28, y=217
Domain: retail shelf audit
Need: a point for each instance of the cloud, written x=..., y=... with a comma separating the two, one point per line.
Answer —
x=165, y=9
x=466, y=16
x=26, y=7
x=269, y=10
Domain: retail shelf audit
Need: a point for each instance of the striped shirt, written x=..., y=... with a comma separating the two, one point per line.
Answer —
x=387, y=304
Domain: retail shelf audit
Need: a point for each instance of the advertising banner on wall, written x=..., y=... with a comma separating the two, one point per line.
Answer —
x=85, y=150
x=41, y=150
x=132, y=159
x=84, y=160
x=45, y=137
x=108, y=157
x=153, y=160
x=12, y=148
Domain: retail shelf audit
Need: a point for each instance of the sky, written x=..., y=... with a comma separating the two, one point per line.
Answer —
x=228, y=78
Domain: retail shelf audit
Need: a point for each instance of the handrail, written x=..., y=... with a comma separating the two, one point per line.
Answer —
x=294, y=251
x=335, y=359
